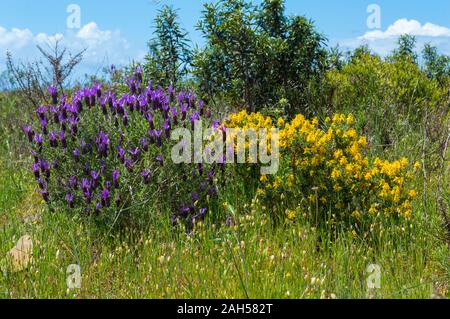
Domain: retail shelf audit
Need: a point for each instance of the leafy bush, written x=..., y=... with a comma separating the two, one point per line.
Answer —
x=390, y=98
x=108, y=156
x=326, y=176
x=256, y=55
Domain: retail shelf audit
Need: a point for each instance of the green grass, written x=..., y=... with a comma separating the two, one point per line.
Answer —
x=251, y=259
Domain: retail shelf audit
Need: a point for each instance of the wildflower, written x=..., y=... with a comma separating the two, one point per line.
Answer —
x=144, y=144
x=291, y=215
x=41, y=110
x=95, y=179
x=62, y=137
x=35, y=168
x=105, y=198
x=412, y=194
x=69, y=199
x=193, y=118
x=166, y=127
x=28, y=130
x=139, y=73
x=73, y=182
x=174, y=113
x=85, y=184
x=76, y=154
x=158, y=138
x=146, y=175
x=44, y=194
x=183, y=110
x=53, y=139
x=160, y=159
x=44, y=124
x=134, y=153
x=45, y=167
x=417, y=166
x=102, y=141
x=115, y=178
x=54, y=93
x=129, y=164
x=121, y=154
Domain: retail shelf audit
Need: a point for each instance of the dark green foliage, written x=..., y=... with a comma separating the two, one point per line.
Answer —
x=169, y=56
x=436, y=66
x=256, y=56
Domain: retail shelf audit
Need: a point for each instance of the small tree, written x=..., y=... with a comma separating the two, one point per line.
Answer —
x=436, y=66
x=256, y=56
x=32, y=79
x=169, y=56
x=406, y=48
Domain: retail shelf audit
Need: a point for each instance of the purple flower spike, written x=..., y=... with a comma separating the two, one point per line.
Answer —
x=149, y=118
x=115, y=178
x=54, y=93
x=38, y=139
x=194, y=118
x=73, y=182
x=151, y=134
x=158, y=138
x=35, y=168
x=105, y=198
x=166, y=127
x=69, y=199
x=139, y=73
x=144, y=144
x=85, y=185
x=62, y=137
x=132, y=85
x=160, y=159
x=76, y=154
x=129, y=164
x=95, y=179
x=102, y=141
x=201, y=106
x=41, y=110
x=28, y=130
x=135, y=153
x=44, y=194
x=173, y=110
x=88, y=196
x=146, y=175
x=53, y=139
x=183, y=110
x=98, y=206
x=44, y=124
x=121, y=154
x=98, y=89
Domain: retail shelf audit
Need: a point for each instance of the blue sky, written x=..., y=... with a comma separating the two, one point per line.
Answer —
x=117, y=31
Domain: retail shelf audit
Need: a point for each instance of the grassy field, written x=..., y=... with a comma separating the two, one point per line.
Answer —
x=249, y=259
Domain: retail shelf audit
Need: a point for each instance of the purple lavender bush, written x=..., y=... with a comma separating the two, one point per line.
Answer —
x=107, y=156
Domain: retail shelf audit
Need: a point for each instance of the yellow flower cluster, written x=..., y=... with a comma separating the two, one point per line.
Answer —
x=325, y=166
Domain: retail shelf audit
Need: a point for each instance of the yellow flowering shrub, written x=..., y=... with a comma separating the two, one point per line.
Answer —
x=326, y=174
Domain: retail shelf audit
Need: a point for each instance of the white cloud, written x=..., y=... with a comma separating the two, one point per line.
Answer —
x=405, y=26
x=16, y=38
x=384, y=42
x=43, y=38
x=103, y=46
x=91, y=32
